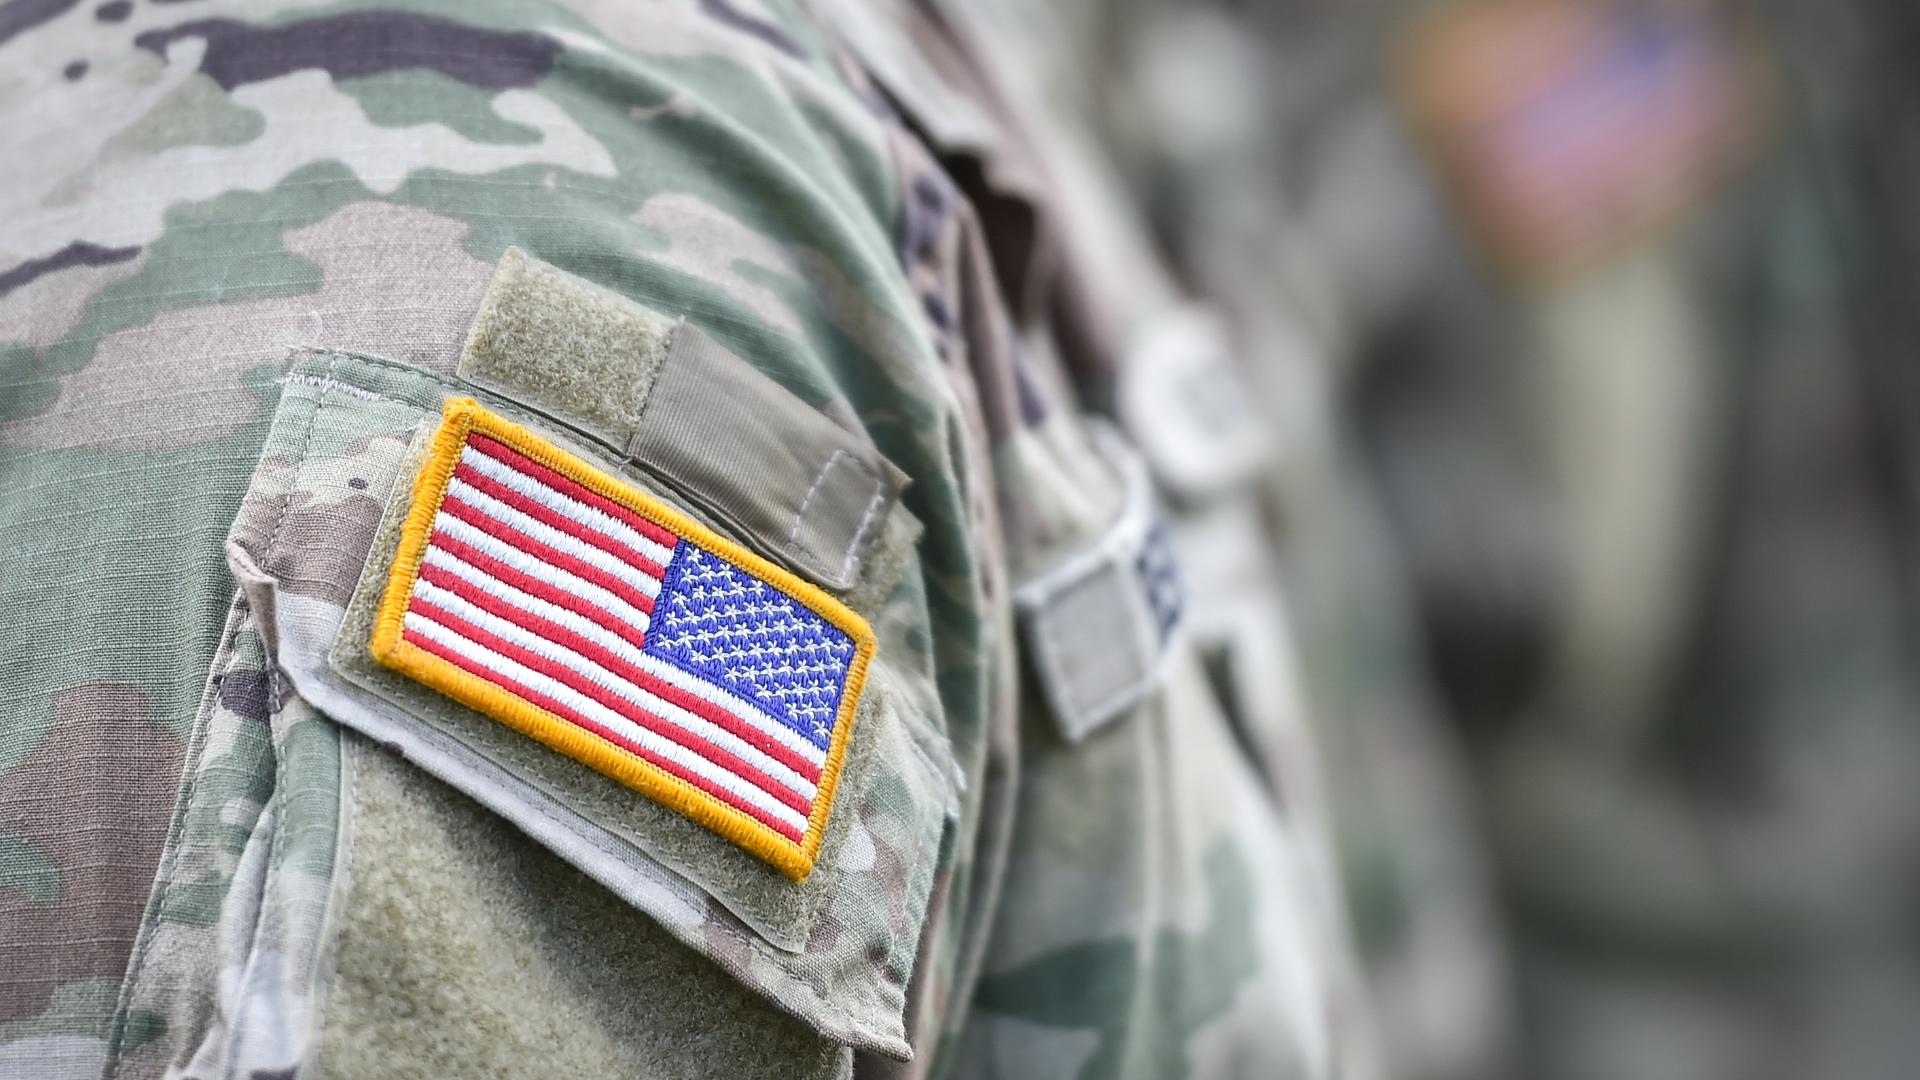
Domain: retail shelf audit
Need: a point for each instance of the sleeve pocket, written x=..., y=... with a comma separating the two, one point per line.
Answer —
x=833, y=952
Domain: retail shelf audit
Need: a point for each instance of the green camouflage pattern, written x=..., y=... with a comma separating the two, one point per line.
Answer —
x=1648, y=527
x=1299, y=207
x=223, y=217
x=222, y=972
x=1701, y=782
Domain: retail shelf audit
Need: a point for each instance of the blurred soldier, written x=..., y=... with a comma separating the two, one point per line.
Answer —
x=568, y=540
x=1647, y=445
x=1267, y=146
x=1063, y=223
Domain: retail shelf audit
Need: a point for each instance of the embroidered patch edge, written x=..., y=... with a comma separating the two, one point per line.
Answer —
x=464, y=416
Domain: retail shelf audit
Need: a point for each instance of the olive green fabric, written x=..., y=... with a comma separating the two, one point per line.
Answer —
x=1095, y=628
x=813, y=492
x=578, y=352
x=462, y=953
x=774, y=906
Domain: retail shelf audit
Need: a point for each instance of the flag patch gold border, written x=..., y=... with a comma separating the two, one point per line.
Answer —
x=390, y=646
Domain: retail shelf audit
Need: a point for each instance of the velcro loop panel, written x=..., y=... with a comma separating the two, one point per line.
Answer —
x=565, y=346
x=687, y=411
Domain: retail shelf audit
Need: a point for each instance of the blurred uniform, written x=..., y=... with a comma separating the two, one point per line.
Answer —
x=794, y=277
x=1643, y=433
x=1279, y=177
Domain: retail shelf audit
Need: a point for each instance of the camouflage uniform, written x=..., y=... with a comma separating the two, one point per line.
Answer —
x=1657, y=513
x=245, y=252
x=1267, y=148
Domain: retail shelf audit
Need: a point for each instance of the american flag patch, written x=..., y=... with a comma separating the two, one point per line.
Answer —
x=580, y=611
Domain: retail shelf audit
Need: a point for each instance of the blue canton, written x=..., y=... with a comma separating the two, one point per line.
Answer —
x=719, y=622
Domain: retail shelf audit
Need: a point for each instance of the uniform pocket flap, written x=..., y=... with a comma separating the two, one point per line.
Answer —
x=744, y=766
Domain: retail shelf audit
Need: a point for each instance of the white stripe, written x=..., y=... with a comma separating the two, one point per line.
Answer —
x=601, y=677
x=543, y=571
x=329, y=386
x=600, y=714
x=625, y=650
x=561, y=503
x=646, y=583
x=493, y=586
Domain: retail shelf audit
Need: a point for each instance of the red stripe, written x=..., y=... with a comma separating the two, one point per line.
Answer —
x=566, y=713
x=507, y=534
x=520, y=462
x=528, y=584
x=546, y=515
x=552, y=631
x=579, y=683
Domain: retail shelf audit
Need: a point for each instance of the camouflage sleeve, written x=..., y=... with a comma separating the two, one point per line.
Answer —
x=250, y=266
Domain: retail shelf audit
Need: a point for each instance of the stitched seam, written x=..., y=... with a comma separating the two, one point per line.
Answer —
x=435, y=728
x=435, y=381
x=646, y=401
x=596, y=430
x=434, y=720
x=505, y=406
x=556, y=810
x=271, y=815
x=326, y=970
x=793, y=534
x=746, y=936
x=795, y=857
x=866, y=520
x=329, y=386
x=927, y=843
x=438, y=727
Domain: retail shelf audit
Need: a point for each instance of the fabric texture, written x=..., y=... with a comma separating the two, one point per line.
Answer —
x=462, y=952
x=804, y=486
x=776, y=910
x=578, y=351
x=810, y=488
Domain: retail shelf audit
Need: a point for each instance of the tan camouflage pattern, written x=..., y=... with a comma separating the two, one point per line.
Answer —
x=209, y=203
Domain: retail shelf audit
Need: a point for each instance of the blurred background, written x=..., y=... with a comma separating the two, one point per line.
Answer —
x=1587, y=326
